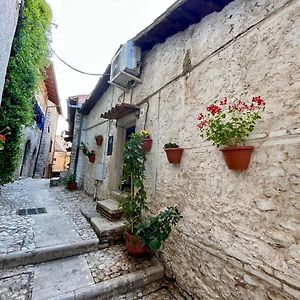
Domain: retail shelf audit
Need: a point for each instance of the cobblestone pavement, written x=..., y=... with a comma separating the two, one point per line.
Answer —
x=16, y=231
x=72, y=203
x=113, y=262
x=16, y=284
x=159, y=290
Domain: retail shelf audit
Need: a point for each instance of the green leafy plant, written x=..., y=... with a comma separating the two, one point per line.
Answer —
x=151, y=229
x=90, y=153
x=133, y=171
x=230, y=123
x=25, y=71
x=154, y=230
x=171, y=145
x=83, y=145
x=70, y=178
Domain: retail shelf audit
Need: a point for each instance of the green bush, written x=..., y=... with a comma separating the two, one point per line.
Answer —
x=28, y=59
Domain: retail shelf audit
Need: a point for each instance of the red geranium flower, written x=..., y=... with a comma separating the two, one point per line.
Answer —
x=3, y=138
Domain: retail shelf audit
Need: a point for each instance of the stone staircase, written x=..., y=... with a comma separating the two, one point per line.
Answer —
x=107, y=220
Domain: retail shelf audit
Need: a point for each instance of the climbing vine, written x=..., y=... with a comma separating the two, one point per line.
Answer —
x=28, y=59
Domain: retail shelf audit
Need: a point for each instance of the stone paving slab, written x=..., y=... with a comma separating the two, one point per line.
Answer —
x=63, y=223
x=61, y=276
x=72, y=204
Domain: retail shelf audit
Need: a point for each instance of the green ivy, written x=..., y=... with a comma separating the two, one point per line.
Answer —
x=28, y=59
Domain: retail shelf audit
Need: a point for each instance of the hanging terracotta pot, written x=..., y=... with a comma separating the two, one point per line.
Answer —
x=99, y=140
x=84, y=151
x=147, y=144
x=134, y=246
x=237, y=158
x=174, y=155
x=92, y=158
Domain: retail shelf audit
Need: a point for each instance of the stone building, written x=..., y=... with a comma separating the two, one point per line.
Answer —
x=9, y=13
x=61, y=156
x=39, y=138
x=240, y=233
x=74, y=104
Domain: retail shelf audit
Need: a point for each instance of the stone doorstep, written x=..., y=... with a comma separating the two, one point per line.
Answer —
x=116, y=286
x=106, y=230
x=109, y=209
x=39, y=255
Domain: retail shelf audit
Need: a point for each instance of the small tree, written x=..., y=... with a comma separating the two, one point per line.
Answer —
x=151, y=230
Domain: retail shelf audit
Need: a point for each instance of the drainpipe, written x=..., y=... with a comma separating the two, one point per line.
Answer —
x=78, y=144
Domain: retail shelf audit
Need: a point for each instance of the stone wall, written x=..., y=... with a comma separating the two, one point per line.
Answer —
x=9, y=14
x=240, y=235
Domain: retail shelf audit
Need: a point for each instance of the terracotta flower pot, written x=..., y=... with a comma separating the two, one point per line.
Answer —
x=147, y=144
x=99, y=140
x=134, y=246
x=72, y=186
x=92, y=158
x=84, y=151
x=174, y=155
x=237, y=158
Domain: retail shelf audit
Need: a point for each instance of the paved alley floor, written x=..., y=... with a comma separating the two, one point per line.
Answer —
x=60, y=222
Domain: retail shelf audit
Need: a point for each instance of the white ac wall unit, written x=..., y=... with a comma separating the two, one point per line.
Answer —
x=126, y=66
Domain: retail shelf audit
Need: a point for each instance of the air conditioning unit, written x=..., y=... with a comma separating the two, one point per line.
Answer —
x=126, y=66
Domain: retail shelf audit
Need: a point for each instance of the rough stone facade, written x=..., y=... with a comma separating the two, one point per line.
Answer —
x=32, y=136
x=9, y=14
x=240, y=235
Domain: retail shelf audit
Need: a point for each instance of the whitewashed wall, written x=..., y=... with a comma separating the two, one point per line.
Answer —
x=240, y=235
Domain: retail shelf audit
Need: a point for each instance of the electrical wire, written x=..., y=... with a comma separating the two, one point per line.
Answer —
x=73, y=68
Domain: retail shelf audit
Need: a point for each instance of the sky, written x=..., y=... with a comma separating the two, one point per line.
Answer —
x=87, y=33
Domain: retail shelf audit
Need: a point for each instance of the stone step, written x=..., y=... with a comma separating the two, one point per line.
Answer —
x=71, y=279
x=108, y=231
x=109, y=208
x=45, y=254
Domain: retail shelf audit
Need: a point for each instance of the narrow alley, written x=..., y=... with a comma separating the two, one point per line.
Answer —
x=50, y=251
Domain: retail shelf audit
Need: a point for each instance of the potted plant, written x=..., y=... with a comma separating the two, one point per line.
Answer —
x=99, y=139
x=173, y=152
x=139, y=240
x=91, y=155
x=70, y=182
x=229, y=124
x=147, y=140
x=84, y=148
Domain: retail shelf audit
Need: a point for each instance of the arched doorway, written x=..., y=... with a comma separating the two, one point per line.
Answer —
x=25, y=168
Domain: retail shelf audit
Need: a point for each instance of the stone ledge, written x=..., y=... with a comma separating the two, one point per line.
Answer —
x=40, y=255
x=116, y=286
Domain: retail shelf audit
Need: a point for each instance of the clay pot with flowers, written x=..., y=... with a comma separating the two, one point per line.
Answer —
x=91, y=155
x=173, y=152
x=99, y=139
x=147, y=140
x=229, y=123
